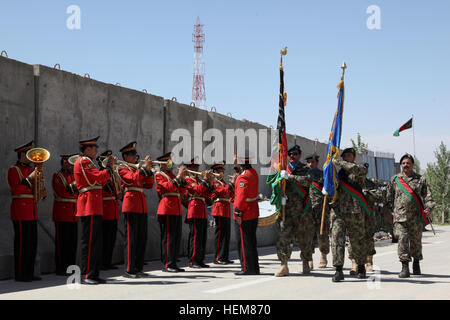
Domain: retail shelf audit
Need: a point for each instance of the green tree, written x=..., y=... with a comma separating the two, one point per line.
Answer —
x=359, y=146
x=438, y=177
x=416, y=165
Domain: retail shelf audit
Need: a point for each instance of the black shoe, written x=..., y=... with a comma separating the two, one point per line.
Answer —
x=100, y=280
x=180, y=270
x=141, y=274
x=220, y=262
x=229, y=261
x=416, y=268
x=203, y=265
x=23, y=280
x=89, y=281
x=247, y=273
x=169, y=270
x=405, y=270
x=195, y=266
x=36, y=278
x=339, y=275
x=130, y=275
x=361, y=272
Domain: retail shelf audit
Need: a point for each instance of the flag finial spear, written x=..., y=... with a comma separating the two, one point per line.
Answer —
x=343, y=67
x=283, y=53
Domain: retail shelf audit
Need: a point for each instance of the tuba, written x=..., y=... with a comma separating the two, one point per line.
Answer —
x=38, y=156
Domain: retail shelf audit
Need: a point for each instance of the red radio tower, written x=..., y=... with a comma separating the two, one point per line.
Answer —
x=198, y=86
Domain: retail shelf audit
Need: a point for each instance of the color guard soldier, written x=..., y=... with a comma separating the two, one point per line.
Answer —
x=197, y=216
x=111, y=198
x=246, y=213
x=169, y=188
x=222, y=196
x=64, y=215
x=90, y=182
x=23, y=215
x=134, y=209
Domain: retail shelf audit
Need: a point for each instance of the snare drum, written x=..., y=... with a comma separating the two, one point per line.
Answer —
x=267, y=214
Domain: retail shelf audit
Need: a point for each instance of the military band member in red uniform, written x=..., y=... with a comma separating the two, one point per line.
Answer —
x=90, y=182
x=23, y=215
x=134, y=209
x=111, y=198
x=169, y=188
x=222, y=197
x=197, y=216
x=64, y=216
x=246, y=213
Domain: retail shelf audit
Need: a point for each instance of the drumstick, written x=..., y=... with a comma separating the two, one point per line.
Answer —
x=323, y=213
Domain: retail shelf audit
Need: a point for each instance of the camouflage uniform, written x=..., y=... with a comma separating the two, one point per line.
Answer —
x=297, y=224
x=347, y=216
x=316, y=206
x=407, y=226
x=372, y=195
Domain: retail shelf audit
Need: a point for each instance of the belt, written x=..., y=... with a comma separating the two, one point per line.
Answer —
x=134, y=189
x=109, y=198
x=196, y=198
x=58, y=199
x=222, y=199
x=24, y=196
x=251, y=199
x=169, y=194
x=86, y=189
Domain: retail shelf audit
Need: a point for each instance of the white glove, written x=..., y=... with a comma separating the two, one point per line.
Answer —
x=284, y=174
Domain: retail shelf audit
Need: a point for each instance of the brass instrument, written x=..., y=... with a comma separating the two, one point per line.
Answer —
x=124, y=164
x=201, y=173
x=38, y=156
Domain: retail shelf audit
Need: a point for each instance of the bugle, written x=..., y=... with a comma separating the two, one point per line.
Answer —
x=38, y=156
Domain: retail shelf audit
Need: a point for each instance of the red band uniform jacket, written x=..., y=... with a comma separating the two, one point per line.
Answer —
x=222, y=196
x=23, y=207
x=169, y=190
x=65, y=193
x=197, y=207
x=88, y=176
x=133, y=200
x=246, y=193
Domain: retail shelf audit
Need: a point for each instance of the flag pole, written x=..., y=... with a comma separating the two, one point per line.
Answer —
x=283, y=52
x=414, y=137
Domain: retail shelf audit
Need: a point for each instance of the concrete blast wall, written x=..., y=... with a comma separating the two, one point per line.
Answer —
x=58, y=108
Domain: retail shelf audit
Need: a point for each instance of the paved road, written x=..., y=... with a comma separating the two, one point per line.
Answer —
x=219, y=282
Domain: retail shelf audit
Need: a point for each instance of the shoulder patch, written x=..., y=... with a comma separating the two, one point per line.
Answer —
x=89, y=166
x=241, y=184
x=57, y=180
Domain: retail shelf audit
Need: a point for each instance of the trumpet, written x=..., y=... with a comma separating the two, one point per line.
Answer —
x=38, y=156
x=124, y=164
x=201, y=173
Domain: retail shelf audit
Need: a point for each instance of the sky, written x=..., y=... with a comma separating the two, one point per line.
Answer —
x=394, y=72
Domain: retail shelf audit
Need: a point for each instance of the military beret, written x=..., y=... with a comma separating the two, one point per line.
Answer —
x=408, y=156
x=349, y=150
x=310, y=156
x=295, y=148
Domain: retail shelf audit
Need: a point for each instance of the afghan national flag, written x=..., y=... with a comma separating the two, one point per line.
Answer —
x=279, y=162
x=407, y=125
x=330, y=176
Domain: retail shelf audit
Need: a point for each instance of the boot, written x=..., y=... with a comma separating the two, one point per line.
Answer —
x=311, y=265
x=416, y=267
x=361, y=271
x=306, y=268
x=405, y=270
x=323, y=261
x=338, y=276
x=283, y=271
x=369, y=263
x=354, y=269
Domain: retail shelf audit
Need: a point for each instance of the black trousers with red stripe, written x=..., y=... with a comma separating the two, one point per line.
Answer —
x=135, y=241
x=197, y=240
x=66, y=236
x=222, y=233
x=25, y=246
x=247, y=247
x=170, y=239
x=91, y=245
x=109, y=240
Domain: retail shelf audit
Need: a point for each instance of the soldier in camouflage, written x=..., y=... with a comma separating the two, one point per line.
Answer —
x=406, y=193
x=348, y=216
x=316, y=196
x=372, y=195
x=297, y=223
